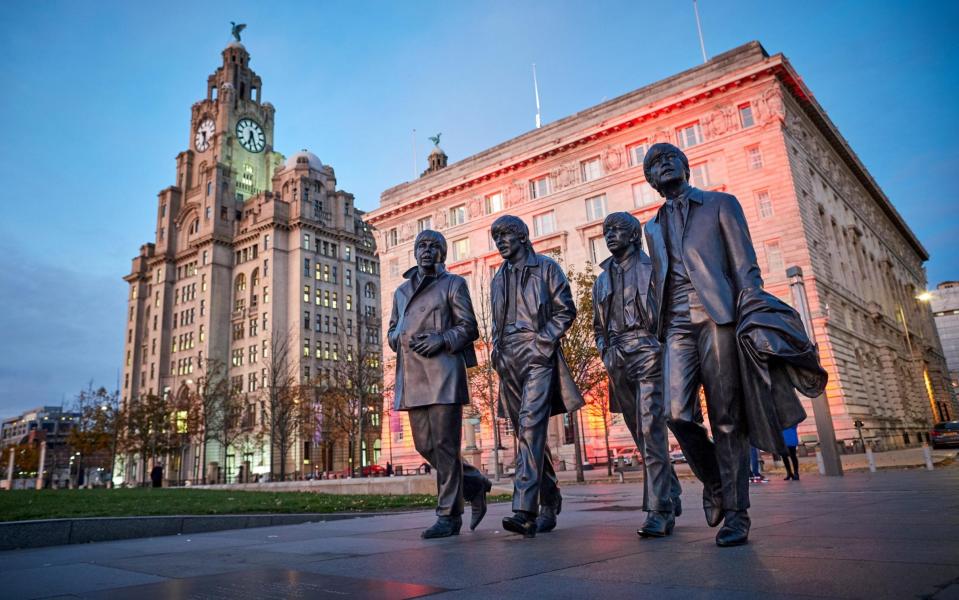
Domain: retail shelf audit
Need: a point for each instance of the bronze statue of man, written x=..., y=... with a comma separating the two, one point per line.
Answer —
x=432, y=330
x=702, y=258
x=633, y=356
x=532, y=309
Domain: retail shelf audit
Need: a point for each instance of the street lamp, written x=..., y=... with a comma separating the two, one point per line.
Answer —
x=832, y=464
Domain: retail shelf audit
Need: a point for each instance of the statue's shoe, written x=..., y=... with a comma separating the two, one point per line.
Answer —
x=478, y=505
x=444, y=527
x=735, y=531
x=658, y=524
x=520, y=522
x=713, y=507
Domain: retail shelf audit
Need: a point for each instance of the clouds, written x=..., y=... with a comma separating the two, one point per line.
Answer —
x=62, y=327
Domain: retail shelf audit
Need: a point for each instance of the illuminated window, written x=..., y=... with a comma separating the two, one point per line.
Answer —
x=746, y=115
x=461, y=249
x=699, y=175
x=764, y=204
x=690, y=135
x=644, y=194
x=597, y=249
x=539, y=187
x=637, y=152
x=544, y=223
x=306, y=294
x=774, y=258
x=754, y=157
x=596, y=208
x=591, y=169
x=458, y=215
x=494, y=203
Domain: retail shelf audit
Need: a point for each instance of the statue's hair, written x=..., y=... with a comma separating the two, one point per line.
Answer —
x=626, y=219
x=511, y=224
x=653, y=153
x=436, y=236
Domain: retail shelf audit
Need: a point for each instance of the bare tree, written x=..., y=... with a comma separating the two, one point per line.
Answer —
x=214, y=415
x=484, y=381
x=147, y=427
x=282, y=396
x=95, y=433
x=579, y=348
x=353, y=393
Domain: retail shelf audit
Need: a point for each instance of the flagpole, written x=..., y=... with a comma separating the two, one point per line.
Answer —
x=699, y=28
x=413, y=139
x=536, y=93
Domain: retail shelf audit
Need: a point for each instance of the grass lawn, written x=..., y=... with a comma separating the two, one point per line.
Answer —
x=20, y=505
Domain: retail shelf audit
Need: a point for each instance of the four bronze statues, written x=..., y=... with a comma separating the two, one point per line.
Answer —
x=691, y=314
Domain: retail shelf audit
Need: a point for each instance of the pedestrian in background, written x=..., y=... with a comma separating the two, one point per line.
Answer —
x=790, y=459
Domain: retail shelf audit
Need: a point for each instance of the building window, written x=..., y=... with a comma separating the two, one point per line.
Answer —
x=458, y=215
x=746, y=115
x=349, y=302
x=306, y=319
x=539, y=187
x=591, y=169
x=461, y=249
x=494, y=203
x=394, y=267
x=690, y=135
x=598, y=252
x=306, y=294
x=699, y=175
x=266, y=242
x=333, y=301
x=318, y=296
x=637, y=152
x=392, y=237
x=754, y=157
x=424, y=224
x=644, y=194
x=596, y=208
x=774, y=258
x=764, y=204
x=306, y=267
x=544, y=223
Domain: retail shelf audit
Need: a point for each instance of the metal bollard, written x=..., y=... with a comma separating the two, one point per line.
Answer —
x=820, y=463
x=927, y=454
x=871, y=460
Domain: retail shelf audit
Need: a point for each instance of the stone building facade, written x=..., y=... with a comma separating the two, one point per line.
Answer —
x=253, y=254
x=944, y=302
x=750, y=128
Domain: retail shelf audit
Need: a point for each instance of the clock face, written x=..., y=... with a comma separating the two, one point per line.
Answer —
x=204, y=135
x=250, y=135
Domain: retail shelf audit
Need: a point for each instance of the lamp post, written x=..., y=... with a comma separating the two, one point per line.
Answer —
x=832, y=464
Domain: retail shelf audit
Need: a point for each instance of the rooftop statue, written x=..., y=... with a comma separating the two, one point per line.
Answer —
x=236, y=29
x=436, y=139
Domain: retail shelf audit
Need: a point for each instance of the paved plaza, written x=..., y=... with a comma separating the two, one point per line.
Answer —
x=891, y=534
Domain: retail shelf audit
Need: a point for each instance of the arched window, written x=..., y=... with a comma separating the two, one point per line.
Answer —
x=254, y=285
x=239, y=284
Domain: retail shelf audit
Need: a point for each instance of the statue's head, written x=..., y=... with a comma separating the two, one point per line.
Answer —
x=429, y=248
x=665, y=164
x=621, y=230
x=511, y=236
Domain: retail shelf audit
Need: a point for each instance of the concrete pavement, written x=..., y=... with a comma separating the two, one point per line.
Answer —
x=893, y=534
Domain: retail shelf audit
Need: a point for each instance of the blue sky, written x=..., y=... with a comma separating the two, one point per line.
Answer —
x=96, y=102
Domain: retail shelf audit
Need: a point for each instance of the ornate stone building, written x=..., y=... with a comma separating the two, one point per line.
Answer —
x=751, y=128
x=944, y=302
x=252, y=253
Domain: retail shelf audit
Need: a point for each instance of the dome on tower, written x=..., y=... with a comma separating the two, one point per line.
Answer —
x=304, y=157
x=236, y=44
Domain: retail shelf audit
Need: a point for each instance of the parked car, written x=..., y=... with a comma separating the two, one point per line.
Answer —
x=945, y=435
x=677, y=456
x=368, y=471
x=627, y=455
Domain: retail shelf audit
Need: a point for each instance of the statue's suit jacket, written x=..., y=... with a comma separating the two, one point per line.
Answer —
x=546, y=307
x=717, y=252
x=441, y=305
x=602, y=306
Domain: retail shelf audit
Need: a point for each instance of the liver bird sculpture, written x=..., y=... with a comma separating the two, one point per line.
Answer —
x=237, y=29
x=436, y=139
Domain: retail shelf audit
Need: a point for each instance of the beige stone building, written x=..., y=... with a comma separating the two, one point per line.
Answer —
x=751, y=128
x=251, y=251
